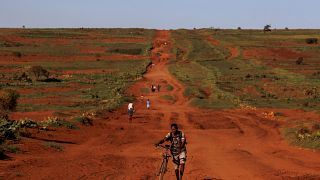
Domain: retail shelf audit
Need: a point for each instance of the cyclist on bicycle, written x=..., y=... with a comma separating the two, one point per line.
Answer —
x=177, y=148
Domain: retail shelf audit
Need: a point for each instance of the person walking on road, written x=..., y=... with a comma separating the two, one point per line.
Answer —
x=148, y=104
x=130, y=111
x=178, y=149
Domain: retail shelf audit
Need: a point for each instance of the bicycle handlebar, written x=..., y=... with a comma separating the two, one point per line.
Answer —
x=164, y=146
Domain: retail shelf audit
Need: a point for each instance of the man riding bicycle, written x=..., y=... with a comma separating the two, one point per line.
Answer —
x=177, y=148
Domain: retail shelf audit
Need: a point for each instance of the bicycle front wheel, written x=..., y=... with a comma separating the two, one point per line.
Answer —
x=163, y=169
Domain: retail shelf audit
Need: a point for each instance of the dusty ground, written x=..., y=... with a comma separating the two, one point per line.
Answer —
x=227, y=144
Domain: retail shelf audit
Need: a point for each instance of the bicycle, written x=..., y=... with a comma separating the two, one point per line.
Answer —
x=164, y=164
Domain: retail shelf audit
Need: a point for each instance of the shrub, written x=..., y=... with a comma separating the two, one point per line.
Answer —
x=299, y=60
x=3, y=115
x=2, y=155
x=11, y=129
x=38, y=72
x=51, y=80
x=316, y=126
x=133, y=51
x=312, y=41
x=17, y=54
x=7, y=130
x=10, y=148
x=83, y=120
x=57, y=122
x=8, y=99
x=278, y=114
x=169, y=87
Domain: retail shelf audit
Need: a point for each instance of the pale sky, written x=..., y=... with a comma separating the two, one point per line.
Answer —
x=160, y=14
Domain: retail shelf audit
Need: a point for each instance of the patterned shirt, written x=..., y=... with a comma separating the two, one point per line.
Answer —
x=176, y=142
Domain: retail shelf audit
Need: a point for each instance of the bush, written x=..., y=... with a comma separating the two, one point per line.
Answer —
x=133, y=51
x=7, y=130
x=316, y=126
x=11, y=129
x=83, y=120
x=299, y=61
x=3, y=115
x=8, y=99
x=51, y=80
x=57, y=122
x=312, y=41
x=10, y=148
x=17, y=54
x=38, y=72
x=169, y=87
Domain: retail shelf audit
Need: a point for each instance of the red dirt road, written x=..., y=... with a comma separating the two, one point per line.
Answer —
x=225, y=144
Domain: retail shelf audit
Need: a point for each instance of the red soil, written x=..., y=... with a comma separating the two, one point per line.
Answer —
x=225, y=144
x=234, y=52
x=37, y=116
x=46, y=101
x=213, y=41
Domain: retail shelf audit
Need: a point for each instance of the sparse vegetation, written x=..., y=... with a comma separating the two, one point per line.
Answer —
x=54, y=145
x=85, y=120
x=8, y=99
x=17, y=54
x=58, y=122
x=299, y=61
x=37, y=72
x=108, y=76
x=312, y=41
x=10, y=148
x=135, y=51
x=169, y=87
x=168, y=97
x=303, y=136
x=214, y=82
x=145, y=90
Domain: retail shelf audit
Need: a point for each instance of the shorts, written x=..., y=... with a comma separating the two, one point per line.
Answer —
x=179, y=159
x=130, y=112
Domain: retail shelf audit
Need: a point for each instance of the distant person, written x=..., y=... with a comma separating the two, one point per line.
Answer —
x=178, y=149
x=153, y=88
x=158, y=87
x=148, y=104
x=130, y=111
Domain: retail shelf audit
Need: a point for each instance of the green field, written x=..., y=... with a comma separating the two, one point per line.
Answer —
x=213, y=80
x=91, y=68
